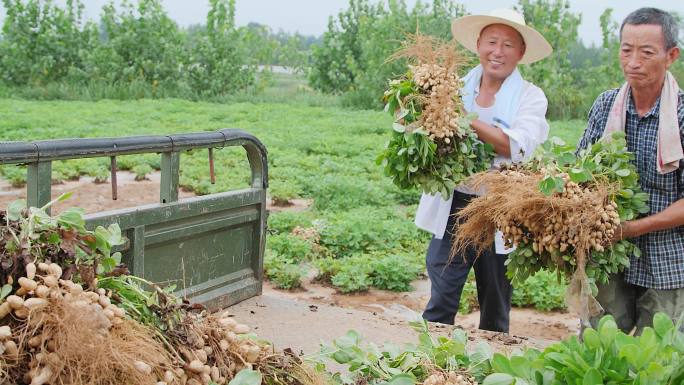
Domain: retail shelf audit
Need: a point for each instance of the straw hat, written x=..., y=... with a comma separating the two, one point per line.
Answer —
x=466, y=30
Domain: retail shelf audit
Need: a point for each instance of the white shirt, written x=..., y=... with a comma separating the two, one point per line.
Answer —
x=485, y=114
x=528, y=130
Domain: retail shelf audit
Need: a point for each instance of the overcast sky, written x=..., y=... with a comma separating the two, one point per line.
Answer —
x=310, y=17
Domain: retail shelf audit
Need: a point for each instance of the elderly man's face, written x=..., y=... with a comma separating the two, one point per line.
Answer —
x=643, y=55
x=500, y=48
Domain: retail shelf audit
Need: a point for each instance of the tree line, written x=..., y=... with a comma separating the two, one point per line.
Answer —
x=136, y=50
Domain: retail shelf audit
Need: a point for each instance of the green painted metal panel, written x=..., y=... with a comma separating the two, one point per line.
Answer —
x=38, y=183
x=136, y=257
x=187, y=208
x=189, y=261
x=197, y=226
x=170, y=170
x=210, y=247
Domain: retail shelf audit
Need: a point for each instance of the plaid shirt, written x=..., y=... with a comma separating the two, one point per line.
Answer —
x=661, y=265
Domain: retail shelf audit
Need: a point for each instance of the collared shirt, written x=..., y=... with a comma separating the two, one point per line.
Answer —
x=528, y=129
x=661, y=265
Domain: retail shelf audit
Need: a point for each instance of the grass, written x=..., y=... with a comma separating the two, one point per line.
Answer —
x=317, y=150
x=311, y=149
x=569, y=131
x=269, y=88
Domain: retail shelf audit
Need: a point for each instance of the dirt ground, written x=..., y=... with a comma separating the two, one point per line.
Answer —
x=409, y=306
x=94, y=197
x=304, y=318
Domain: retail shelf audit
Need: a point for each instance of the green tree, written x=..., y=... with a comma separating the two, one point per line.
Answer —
x=677, y=68
x=340, y=53
x=293, y=51
x=554, y=20
x=216, y=64
x=141, y=44
x=352, y=58
x=607, y=73
x=42, y=42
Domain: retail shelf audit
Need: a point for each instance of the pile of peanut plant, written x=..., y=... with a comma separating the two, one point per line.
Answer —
x=62, y=286
x=432, y=146
x=561, y=211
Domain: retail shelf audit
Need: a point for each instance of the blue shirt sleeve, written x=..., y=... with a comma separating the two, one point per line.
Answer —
x=595, y=123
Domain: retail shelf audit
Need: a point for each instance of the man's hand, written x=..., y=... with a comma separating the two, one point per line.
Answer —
x=671, y=217
x=626, y=230
x=620, y=232
x=494, y=136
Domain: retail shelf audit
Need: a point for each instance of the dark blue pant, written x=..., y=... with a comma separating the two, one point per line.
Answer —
x=447, y=279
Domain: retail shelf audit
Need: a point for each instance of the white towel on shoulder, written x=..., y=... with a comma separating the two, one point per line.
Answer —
x=669, y=150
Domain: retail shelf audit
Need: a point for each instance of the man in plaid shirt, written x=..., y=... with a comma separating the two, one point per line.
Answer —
x=655, y=281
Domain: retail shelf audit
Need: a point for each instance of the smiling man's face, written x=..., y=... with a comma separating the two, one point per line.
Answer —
x=500, y=48
x=643, y=55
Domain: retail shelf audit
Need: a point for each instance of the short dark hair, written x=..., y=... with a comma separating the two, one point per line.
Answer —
x=655, y=16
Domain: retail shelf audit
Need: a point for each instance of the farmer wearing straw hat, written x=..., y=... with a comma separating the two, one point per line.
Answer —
x=649, y=108
x=511, y=117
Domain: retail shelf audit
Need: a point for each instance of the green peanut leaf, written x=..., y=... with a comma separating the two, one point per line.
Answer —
x=623, y=172
x=400, y=128
x=547, y=186
x=5, y=291
x=662, y=324
x=631, y=353
x=591, y=338
x=592, y=377
x=499, y=379
x=501, y=364
x=579, y=175
x=14, y=209
x=402, y=379
x=246, y=377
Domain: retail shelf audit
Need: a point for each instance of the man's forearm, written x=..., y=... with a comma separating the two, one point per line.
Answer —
x=671, y=217
x=494, y=136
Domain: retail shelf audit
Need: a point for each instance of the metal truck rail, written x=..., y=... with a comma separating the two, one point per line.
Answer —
x=211, y=247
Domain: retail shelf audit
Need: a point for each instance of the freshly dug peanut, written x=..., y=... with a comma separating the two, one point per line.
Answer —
x=43, y=267
x=22, y=313
x=5, y=309
x=5, y=332
x=195, y=366
x=42, y=291
x=55, y=270
x=30, y=270
x=35, y=303
x=15, y=302
x=142, y=367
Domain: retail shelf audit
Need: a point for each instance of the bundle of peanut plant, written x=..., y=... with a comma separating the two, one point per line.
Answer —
x=66, y=334
x=432, y=147
x=60, y=328
x=30, y=235
x=70, y=315
x=561, y=212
